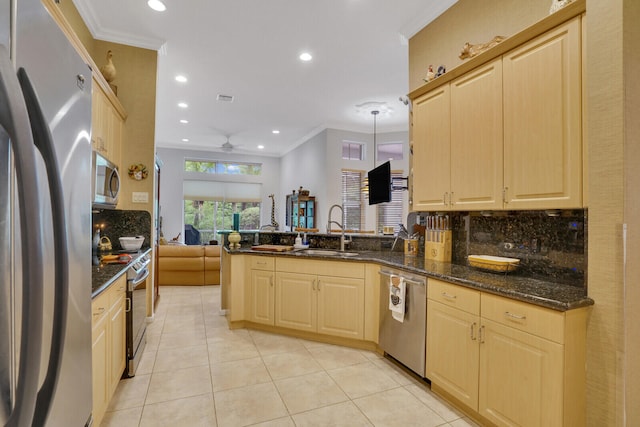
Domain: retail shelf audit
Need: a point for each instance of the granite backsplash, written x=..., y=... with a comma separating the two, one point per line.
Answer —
x=551, y=245
x=116, y=223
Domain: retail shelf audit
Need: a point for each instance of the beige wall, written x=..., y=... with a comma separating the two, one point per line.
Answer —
x=136, y=85
x=613, y=134
x=468, y=21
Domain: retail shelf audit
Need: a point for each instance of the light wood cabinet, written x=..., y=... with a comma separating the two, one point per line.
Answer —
x=457, y=143
x=431, y=159
x=118, y=331
x=453, y=321
x=296, y=301
x=99, y=359
x=543, y=121
x=262, y=290
x=108, y=348
x=511, y=362
x=504, y=135
x=341, y=306
x=476, y=139
x=308, y=299
x=106, y=124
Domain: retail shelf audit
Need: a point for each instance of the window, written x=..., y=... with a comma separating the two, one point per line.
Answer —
x=210, y=216
x=390, y=214
x=209, y=206
x=352, y=150
x=219, y=167
x=390, y=151
x=352, y=199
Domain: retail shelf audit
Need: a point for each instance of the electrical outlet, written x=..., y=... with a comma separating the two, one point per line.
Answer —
x=140, y=197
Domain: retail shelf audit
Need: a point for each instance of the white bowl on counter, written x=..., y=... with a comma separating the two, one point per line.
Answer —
x=131, y=243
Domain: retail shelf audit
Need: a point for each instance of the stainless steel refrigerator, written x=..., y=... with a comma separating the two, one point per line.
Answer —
x=45, y=222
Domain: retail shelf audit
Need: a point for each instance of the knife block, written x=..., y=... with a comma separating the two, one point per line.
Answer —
x=437, y=246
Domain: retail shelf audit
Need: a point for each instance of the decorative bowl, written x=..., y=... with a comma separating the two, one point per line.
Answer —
x=493, y=263
x=131, y=243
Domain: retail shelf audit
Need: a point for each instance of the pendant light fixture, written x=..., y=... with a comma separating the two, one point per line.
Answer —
x=365, y=180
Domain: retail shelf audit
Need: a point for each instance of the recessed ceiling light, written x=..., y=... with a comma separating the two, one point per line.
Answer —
x=305, y=56
x=157, y=5
x=183, y=104
x=275, y=131
x=185, y=139
x=183, y=121
x=180, y=78
x=260, y=147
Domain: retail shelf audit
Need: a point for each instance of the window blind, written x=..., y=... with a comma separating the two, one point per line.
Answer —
x=390, y=214
x=221, y=191
x=352, y=199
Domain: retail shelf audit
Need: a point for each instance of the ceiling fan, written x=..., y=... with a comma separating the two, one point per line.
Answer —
x=228, y=147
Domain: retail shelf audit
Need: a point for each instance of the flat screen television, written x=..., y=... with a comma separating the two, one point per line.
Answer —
x=380, y=184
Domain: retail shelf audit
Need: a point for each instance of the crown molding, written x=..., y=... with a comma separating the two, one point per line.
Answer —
x=92, y=21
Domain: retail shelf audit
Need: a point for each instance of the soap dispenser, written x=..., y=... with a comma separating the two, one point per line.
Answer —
x=298, y=241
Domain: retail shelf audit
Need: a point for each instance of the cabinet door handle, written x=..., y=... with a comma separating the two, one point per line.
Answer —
x=472, y=330
x=444, y=199
x=451, y=203
x=515, y=316
x=128, y=309
x=318, y=285
x=504, y=195
x=449, y=296
x=271, y=281
x=481, y=334
x=313, y=285
x=100, y=311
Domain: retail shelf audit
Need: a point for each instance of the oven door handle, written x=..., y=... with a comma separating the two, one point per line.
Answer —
x=139, y=279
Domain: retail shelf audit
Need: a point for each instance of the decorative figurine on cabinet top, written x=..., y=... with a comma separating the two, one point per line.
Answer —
x=430, y=74
x=470, y=50
x=556, y=5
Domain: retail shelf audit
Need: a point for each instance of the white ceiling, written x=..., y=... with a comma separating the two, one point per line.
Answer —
x=249, y=49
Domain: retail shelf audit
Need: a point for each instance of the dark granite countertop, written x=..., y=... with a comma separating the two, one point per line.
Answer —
x=103, y=275
x=544, y=293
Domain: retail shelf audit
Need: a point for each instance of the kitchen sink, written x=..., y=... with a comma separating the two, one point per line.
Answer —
x=328, y=252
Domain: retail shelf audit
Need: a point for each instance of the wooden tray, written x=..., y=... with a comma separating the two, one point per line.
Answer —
x=272, y=248
x=493, y=263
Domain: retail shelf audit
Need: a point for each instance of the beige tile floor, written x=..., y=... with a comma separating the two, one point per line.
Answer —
x=196, y=372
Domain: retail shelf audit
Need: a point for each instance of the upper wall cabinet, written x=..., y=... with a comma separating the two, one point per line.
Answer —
x=543, y=121
x=431, y=150
x=107, y=123
x=476, y=139
x=506, y=134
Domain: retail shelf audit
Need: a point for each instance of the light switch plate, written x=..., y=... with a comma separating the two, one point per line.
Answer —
x=140, y=197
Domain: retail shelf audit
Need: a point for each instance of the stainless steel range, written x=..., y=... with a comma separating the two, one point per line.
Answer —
x=136, y=312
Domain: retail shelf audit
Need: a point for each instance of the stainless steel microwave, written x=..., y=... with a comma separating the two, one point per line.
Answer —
x=105, y=182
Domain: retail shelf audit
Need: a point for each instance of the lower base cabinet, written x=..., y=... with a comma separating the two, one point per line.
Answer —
x=108, y=350
x=322, y=304
x=510, y=363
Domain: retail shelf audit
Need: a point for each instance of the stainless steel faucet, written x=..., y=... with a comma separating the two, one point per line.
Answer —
x=341, y=225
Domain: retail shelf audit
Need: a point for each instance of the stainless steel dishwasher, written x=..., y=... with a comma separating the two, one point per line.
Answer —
x=405, y=341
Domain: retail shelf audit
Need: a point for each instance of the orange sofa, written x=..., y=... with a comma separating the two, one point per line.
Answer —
x=189, y=265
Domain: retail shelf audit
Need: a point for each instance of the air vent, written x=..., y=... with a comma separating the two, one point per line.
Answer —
x=225, y=98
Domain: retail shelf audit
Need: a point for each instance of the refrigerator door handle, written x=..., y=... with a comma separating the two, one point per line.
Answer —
x=44, y=142
x=15, y=121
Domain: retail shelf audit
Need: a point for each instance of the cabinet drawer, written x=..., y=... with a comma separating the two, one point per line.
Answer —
x=323, y=268
x=117, y=290
x=262, y=263
x=454, y=296
x=539, y=321
x=99, y=308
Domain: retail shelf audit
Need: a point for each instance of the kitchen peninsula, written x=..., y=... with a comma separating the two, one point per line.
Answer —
x=541, y=323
